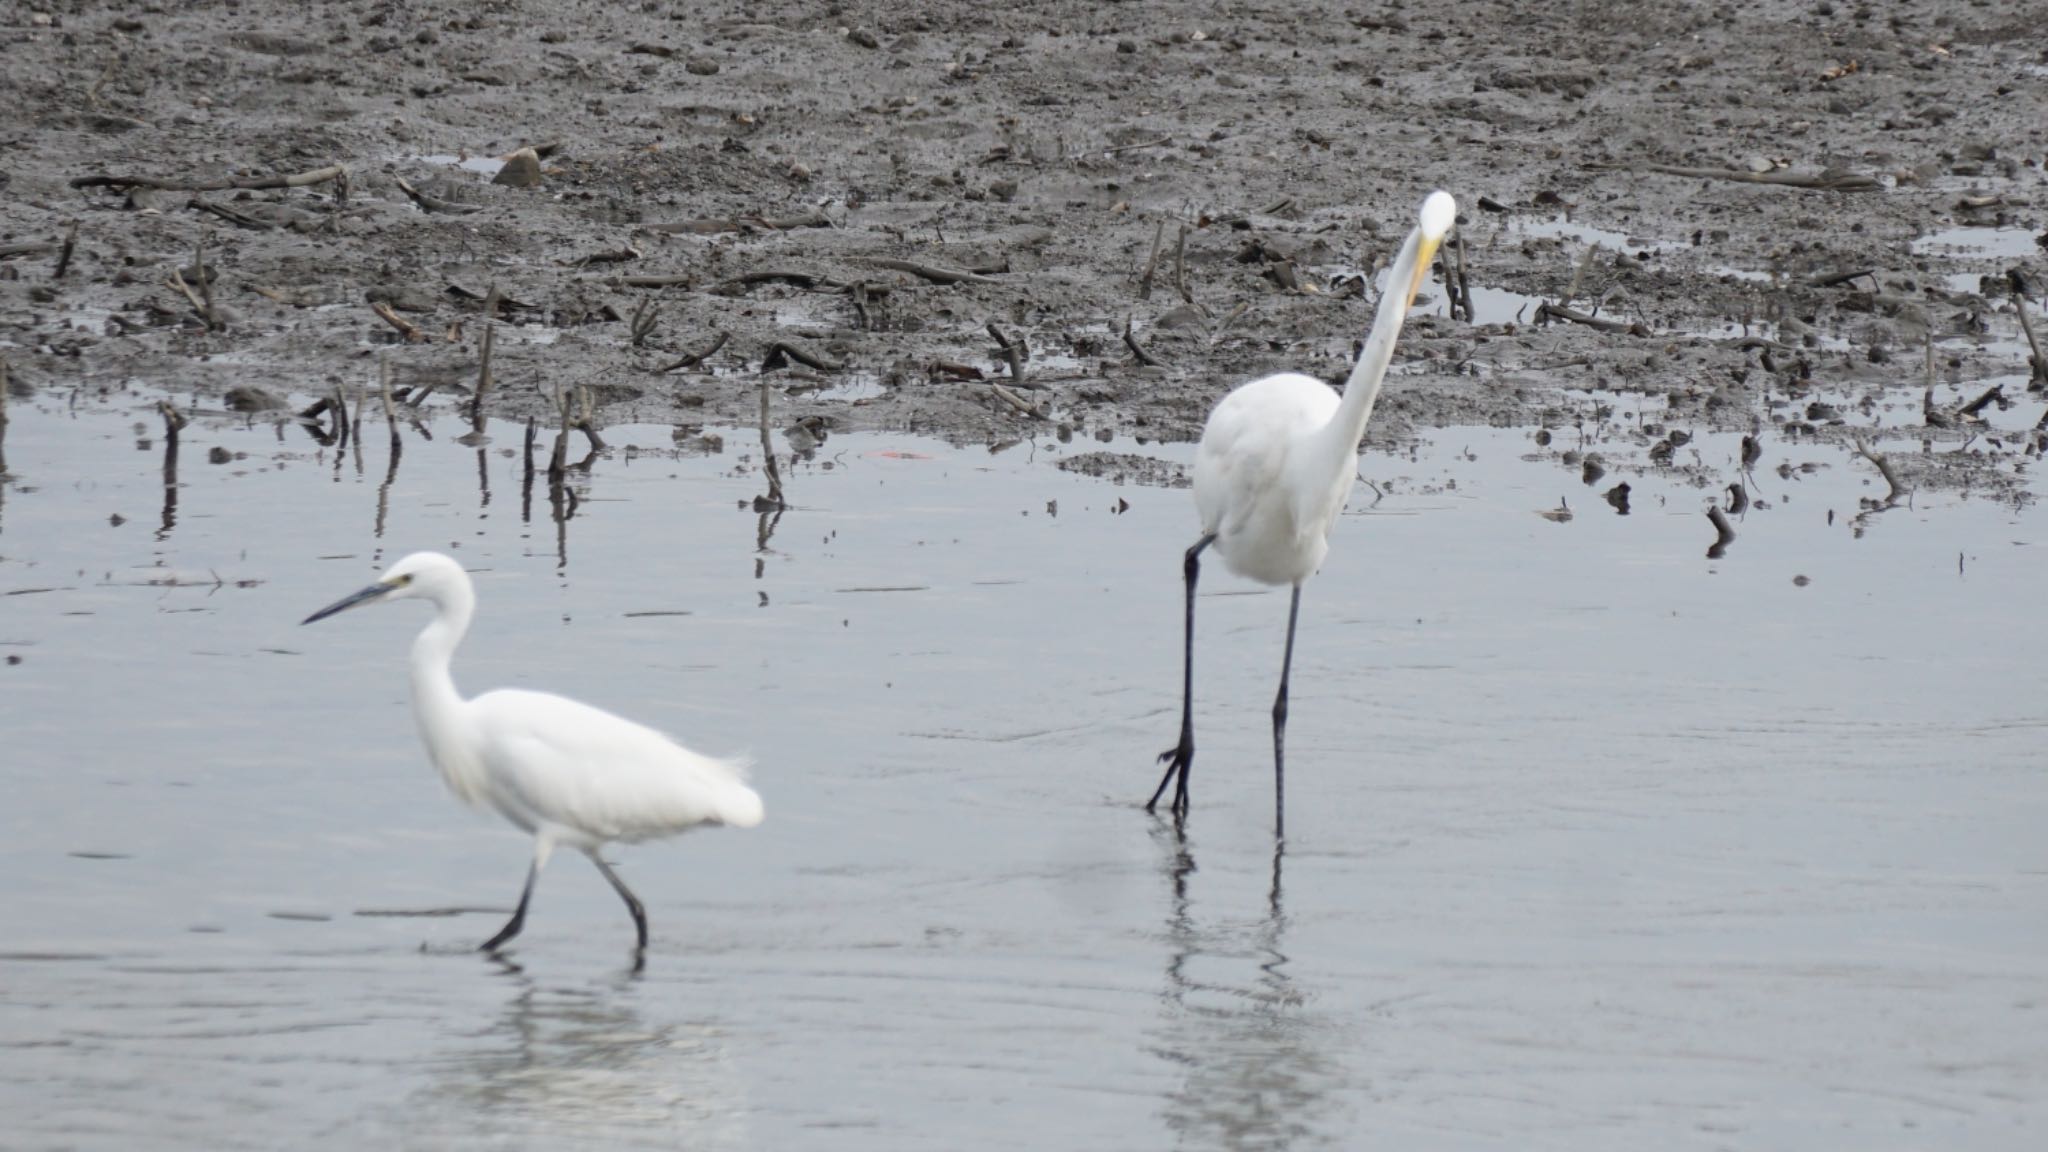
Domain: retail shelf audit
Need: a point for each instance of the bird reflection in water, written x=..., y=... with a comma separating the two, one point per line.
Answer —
x=1257, y=1072
x=578, y=1066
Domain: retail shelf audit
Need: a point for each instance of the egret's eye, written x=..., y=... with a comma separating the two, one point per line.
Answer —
x=404, y=578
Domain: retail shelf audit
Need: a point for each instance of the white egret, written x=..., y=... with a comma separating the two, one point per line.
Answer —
x=565, y=772
x=1273, y=470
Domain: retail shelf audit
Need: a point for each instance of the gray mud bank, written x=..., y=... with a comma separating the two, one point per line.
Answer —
x=1786, y=218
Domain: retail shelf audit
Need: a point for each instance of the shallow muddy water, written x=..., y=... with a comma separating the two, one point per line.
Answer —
x=1594, y=842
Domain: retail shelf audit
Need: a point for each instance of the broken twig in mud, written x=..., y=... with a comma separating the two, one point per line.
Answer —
x=1549, y=311
x=1571, y=291
x=1180, y=265
x=931, y=272
x=1016, y=401
x=205, y=275
x=715, y=226
x=695, y=358
x=1818, y=181
x=1138, y=350
x=429, y=203
x=1014, y=351
x=645, y=316
x=781, y=352
x=1884, y=468
x=293, y=180
x=1152, y=261
x=64, y=252
x=483, y=364
x=2037, y=366
x=406, y=328
x=728, y=287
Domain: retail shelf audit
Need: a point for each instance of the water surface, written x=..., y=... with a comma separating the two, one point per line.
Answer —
x=1593, y=842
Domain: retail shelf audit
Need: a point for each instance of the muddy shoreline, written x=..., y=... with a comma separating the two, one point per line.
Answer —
x=887, y=191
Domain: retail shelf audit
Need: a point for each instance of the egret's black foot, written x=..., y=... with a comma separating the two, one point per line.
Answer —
x=1178, y=760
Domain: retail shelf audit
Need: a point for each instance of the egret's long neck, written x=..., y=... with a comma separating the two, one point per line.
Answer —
x=1336, y=445
x=435, y=702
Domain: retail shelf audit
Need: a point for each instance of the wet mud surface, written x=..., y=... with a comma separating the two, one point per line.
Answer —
x=876, y=186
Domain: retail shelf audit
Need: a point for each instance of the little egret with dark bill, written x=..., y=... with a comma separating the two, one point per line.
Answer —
x=1273, y=470
x=565, y=772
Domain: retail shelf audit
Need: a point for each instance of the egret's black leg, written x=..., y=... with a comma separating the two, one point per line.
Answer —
x=632, y=901
x=1280, y=721
x=518, y=920
x=1182, y=755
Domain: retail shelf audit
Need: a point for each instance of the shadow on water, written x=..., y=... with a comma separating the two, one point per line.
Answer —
x=1257, y=1070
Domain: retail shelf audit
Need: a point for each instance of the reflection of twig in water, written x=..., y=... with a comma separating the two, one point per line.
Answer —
x=774, y=497
x=173, y=422
x=483, y=477
x=1884, y=468
x=390, y=478
x=3, y=416
x=1724, y=533
x=526, y=484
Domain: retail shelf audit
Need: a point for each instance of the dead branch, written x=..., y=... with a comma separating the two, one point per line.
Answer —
x=1884, y=468
x=1163, y=140
x=1180, y=265
x=293, y=180
x=747, y=280
x=1992, y=395
x=64, y=253
x=1579, y=275
x=645, y=316
x=622, y=255
x=1014, y=351
x=1152, y=261
x=1138, y=350
x=2038, y=365
x=932, y=273
x=781, y=352
x=406, y=328
x=233, y=216
x=1829, y=181
x=1016, y=401
x=429, y=203
x=713, y=226
x=695, y=358
x=483, y=364
x=205, y=275
x=1549, y=311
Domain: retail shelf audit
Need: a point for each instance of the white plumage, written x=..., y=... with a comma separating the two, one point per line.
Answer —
x=1272, y=473
x=566, y=772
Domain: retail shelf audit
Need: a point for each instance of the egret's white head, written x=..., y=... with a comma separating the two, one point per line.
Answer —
x=426, y=575
x=1439, y=214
